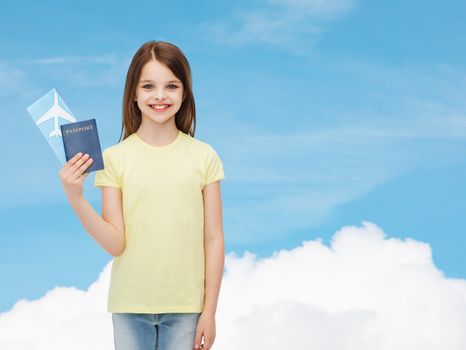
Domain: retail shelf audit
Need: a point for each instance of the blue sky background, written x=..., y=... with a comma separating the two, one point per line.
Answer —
x=324, y=115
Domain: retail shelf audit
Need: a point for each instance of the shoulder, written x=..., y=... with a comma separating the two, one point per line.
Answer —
x=115, y=154
x=199, y=146
x=119, y=148
x=112, y=153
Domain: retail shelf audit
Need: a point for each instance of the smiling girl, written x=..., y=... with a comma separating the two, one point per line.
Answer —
x=161, y=210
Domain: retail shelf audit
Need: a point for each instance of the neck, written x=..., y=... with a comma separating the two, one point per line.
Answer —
x=157, y=134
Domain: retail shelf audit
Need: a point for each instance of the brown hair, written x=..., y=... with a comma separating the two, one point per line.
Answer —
x=174, y=59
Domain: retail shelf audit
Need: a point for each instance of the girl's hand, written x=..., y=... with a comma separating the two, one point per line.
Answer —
x=206, y=328
x=71, y=175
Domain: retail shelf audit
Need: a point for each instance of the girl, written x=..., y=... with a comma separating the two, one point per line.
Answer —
x=161, y=210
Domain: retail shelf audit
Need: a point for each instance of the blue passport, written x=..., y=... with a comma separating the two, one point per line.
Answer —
x=83, y=137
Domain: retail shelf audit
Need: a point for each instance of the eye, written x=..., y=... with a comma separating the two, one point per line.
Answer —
x=172, y=86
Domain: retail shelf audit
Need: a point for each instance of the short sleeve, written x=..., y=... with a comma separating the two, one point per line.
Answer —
x=214, y=167
x=109, y=176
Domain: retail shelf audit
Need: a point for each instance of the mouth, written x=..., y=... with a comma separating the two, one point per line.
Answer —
x=160, y=107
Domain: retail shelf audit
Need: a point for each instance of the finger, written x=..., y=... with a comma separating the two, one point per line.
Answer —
x=78, y=169
x=83, y=177
x=197, y=340
x=71, y=167
x=204, y=343
x=70, y=162
x=78, y=174
x=208, y=342
x=74, y=170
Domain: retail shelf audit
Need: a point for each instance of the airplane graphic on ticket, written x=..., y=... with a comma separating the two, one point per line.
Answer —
x=49, y=112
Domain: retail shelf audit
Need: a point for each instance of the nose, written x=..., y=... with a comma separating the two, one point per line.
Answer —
x=159, y=94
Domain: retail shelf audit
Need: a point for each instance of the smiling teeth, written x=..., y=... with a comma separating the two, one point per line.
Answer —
x=159, y=106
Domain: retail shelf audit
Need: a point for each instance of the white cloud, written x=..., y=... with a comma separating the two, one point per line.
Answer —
x=316, y=7
x=12, y=79
x=106, y=59
x=80, y=70
x=364, y=291
x=287, y=24
x=64, y=318
x=295, y=180
x=295, y=165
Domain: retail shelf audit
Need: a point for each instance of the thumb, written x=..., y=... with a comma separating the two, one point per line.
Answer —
x=197, y=339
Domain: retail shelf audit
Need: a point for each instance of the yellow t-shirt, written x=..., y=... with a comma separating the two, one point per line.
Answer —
x=162, y=267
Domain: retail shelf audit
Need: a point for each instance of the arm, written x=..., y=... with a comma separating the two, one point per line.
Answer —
x=213, y=245
x=214, y=261
x=107, y=230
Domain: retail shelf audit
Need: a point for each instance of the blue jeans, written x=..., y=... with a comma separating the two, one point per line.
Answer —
x=169, y=331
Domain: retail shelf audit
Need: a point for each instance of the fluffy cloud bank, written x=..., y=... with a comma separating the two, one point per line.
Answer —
x=364, y=291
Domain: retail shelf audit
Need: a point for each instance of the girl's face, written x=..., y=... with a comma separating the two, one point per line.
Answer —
x=158, y=87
